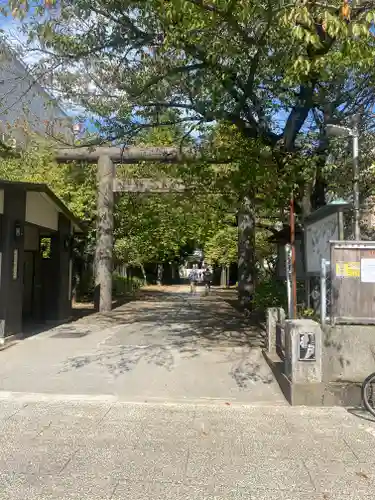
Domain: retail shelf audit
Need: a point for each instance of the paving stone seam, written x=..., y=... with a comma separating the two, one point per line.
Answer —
x=15, y=413
x=147, y=401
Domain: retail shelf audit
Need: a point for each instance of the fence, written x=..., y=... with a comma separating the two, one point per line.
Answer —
x=319, y=292
x=319, y=289
x=325, y=291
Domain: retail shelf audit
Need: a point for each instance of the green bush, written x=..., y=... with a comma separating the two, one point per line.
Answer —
x=307, y=313
x=125, y=286
x=270, y=293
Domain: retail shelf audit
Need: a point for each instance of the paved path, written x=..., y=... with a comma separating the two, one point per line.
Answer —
x=163, y=347
x=58, y=448
x=165, y=399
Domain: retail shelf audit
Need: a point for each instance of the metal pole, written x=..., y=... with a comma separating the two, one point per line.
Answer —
x=323, y=291
x=293, y=247
x=288, y=280
x=341, y=224
x=308, y=292
x=357, y=234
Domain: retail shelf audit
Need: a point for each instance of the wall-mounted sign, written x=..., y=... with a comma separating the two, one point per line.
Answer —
x=368, y=270
x=317, y=237
x=348, y=269
x=307, y=347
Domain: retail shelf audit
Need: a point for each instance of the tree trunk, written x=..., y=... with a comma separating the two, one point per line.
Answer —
x=246, y=252
x=160, y=274
x=318, y=195
x=144, y=273
x=306, y=199
x=223, y=278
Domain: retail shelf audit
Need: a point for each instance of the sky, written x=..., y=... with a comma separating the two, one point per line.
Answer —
x=9, y=26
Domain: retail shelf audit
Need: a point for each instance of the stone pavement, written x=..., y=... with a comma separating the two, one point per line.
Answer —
x=60, y=447
x=166, y=346
x=167, y=398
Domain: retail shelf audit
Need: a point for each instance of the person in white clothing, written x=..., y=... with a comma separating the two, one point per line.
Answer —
x=193, y=278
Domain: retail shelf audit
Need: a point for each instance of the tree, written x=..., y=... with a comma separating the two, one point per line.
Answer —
x=155, y=228
x=265, y=67
x=207, y=61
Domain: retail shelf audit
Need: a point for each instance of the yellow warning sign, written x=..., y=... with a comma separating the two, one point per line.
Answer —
x=348, y=270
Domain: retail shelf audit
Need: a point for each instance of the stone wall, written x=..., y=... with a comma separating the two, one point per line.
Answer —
x=348, y=352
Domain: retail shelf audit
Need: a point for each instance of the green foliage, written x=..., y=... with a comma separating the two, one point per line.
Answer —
x=45, y=247
x=125, y=287
x=155, y=227
x=270, y=293
x=308, y=313
x=240, y=62
x=221, y=248
x=74, y=184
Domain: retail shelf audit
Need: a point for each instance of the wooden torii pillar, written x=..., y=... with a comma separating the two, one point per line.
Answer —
x=107, y=184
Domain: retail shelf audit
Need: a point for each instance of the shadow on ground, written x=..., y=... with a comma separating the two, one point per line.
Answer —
x=79, y=311
x=182, y=323
x=166, y=330
x=362, y=414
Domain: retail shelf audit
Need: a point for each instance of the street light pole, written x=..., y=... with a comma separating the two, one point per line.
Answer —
x=293, y=263
x=353, y=132
x=355, y=135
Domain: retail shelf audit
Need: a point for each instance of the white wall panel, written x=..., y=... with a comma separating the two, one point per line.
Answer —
x=40, y=211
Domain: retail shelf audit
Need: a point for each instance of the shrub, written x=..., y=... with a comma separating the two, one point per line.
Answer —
x=270, y=293
x=125, y=286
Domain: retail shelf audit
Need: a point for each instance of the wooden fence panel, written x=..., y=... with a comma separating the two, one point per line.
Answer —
x=353, y=282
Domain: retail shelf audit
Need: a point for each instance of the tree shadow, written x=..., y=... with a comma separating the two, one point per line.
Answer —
x=177, y=327
x=186, y=323
x=80, y=311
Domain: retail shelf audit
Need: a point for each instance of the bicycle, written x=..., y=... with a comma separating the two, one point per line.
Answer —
x=368, y=393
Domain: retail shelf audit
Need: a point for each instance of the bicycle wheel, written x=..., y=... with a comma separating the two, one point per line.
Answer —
x=368, y=393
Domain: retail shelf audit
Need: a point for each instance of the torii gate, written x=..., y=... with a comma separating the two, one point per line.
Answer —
x=106, y=157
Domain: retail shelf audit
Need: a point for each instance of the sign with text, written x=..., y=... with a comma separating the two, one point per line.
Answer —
x=368, y=270
x=307, y=347
x=317, y=241
x=348, y=269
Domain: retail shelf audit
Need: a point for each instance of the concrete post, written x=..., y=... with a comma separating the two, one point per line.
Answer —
x=104, y=236
x=323, y=291
x=274, y=315
x=303, y=351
